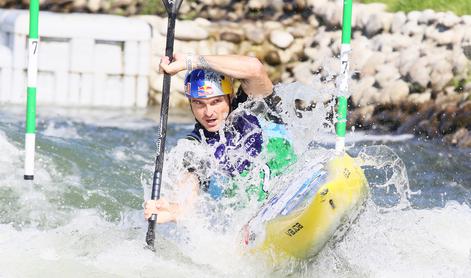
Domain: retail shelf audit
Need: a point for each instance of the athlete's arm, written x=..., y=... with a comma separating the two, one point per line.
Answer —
x=171, y=211
x=249, y=70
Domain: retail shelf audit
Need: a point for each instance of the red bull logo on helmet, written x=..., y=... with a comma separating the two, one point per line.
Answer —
x=205, y=91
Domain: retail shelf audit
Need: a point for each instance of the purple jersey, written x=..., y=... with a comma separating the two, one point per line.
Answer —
x=243, y=133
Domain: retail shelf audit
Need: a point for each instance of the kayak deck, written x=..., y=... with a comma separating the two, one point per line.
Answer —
x=298, y=221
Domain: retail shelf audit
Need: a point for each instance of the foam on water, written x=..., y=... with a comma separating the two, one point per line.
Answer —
x=64, y=132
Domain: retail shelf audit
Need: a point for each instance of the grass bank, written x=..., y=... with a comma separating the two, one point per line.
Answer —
x=459, y=7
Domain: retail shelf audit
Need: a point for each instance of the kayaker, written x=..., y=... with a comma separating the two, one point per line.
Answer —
x=208, y=86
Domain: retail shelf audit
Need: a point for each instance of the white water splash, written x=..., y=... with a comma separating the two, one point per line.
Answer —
x=40, y=236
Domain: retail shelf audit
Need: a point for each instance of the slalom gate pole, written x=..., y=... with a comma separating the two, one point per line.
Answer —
x=345, y=50
x=172, y=7
x=33, y=47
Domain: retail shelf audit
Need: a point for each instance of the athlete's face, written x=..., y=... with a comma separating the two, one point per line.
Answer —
x=211, y=112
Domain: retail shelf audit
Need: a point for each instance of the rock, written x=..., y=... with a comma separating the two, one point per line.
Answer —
x=452, y=36
x=296, y=50
x=257, y=4
x=281, y=39
x=187, y=47
x=407, y=58
x=466, y=20
x=224, y=48
x=186, y=30
x=203, y=22
x=448, y=19
x=185, y=7
x=105, y=5
x=285, y=56
x=323, y=39
x=255, y=35
x=375, y=59
x=313, y=22
x=467, y=51
x=374, y=25
x=203, y=47
x=360, y=54
x=398, y=20
x=395, y=91
x=387, y=73
x=467, y=90
x=216, y=14
x=330, y=13
x=118, y=3
x=461, y=138
x=363, y=92
x=77, y=4
x=411, y=28
x=277, y=5
x=442, y=99
x=420, y=72
x=300, y=31
x=272, y=58
x=94, y=5
x=378, y=22
x=420, y=98
x=360, y=43
x=272, y=25
x=427, y=17
x=414, y=16
x=221, y=2
x=318, y=55
x=392, y=58
x=399, y=41
x=231, y=37
x=441, y=74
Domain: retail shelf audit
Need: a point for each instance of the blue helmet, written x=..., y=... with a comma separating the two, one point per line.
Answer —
x=206, y=84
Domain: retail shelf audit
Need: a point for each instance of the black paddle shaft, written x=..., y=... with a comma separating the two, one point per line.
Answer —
x=172, y=7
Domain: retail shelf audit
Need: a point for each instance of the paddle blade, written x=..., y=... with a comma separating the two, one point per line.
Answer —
x=172, y=6
x=150, y=236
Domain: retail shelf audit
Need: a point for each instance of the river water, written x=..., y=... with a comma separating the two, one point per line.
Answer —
x=82, y=215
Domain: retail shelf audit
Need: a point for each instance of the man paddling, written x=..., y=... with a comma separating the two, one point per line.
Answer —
x=208, y=86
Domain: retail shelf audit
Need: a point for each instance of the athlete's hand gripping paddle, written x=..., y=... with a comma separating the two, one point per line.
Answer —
x=172, y=7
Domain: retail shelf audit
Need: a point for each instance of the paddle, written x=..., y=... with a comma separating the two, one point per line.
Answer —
x=172, y=7
x=345, y=50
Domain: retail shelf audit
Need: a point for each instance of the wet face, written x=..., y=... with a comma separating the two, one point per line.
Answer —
x=211, y=112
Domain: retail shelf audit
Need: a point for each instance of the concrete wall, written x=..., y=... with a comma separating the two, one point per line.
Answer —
x=84, y=59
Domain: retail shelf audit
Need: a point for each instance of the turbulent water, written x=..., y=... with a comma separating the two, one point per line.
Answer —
x=82, y=215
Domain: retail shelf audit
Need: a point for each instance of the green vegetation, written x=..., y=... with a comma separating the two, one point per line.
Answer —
x=460, y=83
x=154, y=7
x=459, y=7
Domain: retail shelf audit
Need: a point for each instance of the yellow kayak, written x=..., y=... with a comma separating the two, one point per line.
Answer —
x=299, y=220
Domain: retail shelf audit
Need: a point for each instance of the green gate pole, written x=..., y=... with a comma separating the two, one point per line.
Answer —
x=33, y=45
x=345, y=50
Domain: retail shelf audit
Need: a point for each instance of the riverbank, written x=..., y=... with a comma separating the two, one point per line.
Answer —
x=411, y=73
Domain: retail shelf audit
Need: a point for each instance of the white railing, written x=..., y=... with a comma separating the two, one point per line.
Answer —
x=84, y=59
